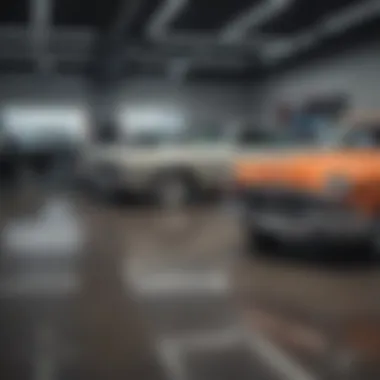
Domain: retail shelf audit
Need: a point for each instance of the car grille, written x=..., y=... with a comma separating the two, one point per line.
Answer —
x=283, y=201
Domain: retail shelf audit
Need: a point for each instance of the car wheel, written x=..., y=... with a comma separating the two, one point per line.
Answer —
x=258, y=243
x=375, y=243
x=172, y=192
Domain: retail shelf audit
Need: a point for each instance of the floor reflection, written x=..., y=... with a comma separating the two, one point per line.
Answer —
x=90, y=290
x=64, y=309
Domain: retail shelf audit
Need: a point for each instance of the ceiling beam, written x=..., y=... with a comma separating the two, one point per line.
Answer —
x=40, y=24
x=255, y=16
x=157, y=26
x=350, y=17
x=339, y=22
x=216, y=57
x=123, y=20
x=107, y=59
x=234, y=32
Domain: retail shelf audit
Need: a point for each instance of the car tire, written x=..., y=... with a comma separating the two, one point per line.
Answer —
x=375, y=242
x=258, y=243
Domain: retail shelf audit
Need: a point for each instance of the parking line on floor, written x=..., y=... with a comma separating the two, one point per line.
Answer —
x=181, y=283
x=172, y=349
x=292, y=332
x=45, y=363
x=208, y=340
x=170, y=354
x=276, y=359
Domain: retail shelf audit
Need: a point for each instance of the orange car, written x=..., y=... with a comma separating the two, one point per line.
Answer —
x=329, y=197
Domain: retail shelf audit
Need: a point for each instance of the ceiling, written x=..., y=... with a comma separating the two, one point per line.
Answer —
x=180, y=39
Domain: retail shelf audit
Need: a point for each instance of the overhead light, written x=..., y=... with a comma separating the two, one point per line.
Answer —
x=284, y=48
x=274, y=51
x=160, y=19
x=254, y=17
x=352, y=16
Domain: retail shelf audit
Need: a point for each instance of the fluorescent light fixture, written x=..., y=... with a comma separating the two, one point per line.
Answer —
x=160, y=19
x=254, y=17
x=40, y=14
x=352, y=16
x=338, y=23
x=31, y=122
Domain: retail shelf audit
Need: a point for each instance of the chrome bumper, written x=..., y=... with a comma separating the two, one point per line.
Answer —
x=309, y=228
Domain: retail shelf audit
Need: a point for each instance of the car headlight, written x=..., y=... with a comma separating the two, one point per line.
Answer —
x=337, y=185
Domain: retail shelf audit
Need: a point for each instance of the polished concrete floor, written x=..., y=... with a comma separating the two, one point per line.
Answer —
x=92, y=290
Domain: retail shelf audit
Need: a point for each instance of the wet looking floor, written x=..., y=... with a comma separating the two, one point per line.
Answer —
x=65, y=312
x=92, y=290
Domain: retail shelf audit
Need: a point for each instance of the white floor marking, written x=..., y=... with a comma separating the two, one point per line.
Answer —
x=276, y=359
x=171, y=349
x=209, y=340
x=180, y=283
x=55, y=229
x=45, y=363
x=214, y=282
x=39, y=285
x=170, y=354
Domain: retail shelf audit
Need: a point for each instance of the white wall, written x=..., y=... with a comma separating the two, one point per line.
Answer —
x=31, y=89
x=40, y=109
x=186, y=102
x=355, y=73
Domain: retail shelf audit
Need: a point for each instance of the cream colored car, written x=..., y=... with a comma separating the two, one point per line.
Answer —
x=174, y=166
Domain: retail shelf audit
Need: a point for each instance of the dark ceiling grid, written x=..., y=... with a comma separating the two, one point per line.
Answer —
x=210, y=15
x=70, y=67
x=16, y=66
x=85, y=13
x=366, y=33
x=302, y=15
x=146, y=9
x=197, y=18
x=219, y=75
x=14, y=11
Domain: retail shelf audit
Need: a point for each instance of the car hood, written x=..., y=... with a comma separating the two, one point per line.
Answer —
x=310, y=170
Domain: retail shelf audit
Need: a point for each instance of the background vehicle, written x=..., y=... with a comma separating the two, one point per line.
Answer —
x=328, y=198
x=174, y=166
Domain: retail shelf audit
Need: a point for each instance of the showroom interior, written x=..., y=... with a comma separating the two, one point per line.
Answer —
x=131, y=135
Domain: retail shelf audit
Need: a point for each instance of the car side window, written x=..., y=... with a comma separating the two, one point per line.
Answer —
x=362, y=137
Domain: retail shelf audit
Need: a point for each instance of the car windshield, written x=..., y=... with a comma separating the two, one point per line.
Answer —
x=367, y=136
x=265, y=137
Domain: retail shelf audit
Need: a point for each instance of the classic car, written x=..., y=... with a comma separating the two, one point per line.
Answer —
x=173, y=166
x=325, y=198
